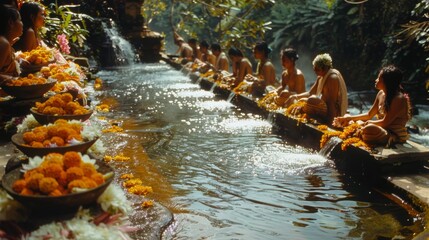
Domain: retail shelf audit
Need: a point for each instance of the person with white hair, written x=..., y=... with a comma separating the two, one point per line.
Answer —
x=327, y=98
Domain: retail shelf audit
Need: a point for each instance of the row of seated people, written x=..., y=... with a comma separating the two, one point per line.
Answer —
x=384, y=123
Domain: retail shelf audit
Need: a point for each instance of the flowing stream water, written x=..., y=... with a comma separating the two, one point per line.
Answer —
x=226, y=174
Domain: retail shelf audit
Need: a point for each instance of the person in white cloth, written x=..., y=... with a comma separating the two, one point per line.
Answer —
x=327, y=98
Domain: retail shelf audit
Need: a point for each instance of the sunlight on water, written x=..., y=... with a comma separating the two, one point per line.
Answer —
x=280, y=162
x=214, y=105
x=195, y=94
x=182, y=86
x=234, y=125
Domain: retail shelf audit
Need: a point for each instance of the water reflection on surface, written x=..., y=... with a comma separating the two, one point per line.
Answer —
x=225, y=174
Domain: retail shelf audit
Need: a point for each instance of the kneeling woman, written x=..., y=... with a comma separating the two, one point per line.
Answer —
x=392, y=108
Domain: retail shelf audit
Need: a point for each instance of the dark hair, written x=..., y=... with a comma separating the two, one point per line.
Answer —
x=392, y=78
x=204, y=43
x=28, y=11
x=263, y=47
x=216, y=47
x=233, y=51
x=7, y=13
x=290, y=53
x=192, y=41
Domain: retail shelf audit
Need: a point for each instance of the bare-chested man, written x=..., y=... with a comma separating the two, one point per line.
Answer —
x=293, y=81
x=329, y=93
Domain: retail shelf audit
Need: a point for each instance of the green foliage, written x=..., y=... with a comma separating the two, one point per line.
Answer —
x=152, y=8
x=418, y=30
x=62, y=20
x=313, y=23
x=237, y=23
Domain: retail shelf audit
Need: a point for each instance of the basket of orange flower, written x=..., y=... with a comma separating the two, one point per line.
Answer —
x=28, y=87
x=60, y=106
x=60, y=137
x=36, y=59
x=58, y=182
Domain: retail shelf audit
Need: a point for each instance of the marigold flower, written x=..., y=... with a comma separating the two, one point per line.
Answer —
x=140, y=190
x=19, y=185
x=74, y=173
x=98, y=178
x=52, y=170
x=27, y=191
x=47, y=185
x=148, y=203
x=33, y=181
x=72, y=159
x=88, y=169
x=127, y=176
x=132, y=182
x=37, y=144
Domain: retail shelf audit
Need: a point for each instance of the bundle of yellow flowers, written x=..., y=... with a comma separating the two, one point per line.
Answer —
x=39, y=56
x=268, y=101
x=349, y=135
x=296, y=111
x=27, y=81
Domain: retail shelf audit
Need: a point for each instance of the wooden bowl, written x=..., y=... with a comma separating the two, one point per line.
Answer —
x=44, y=119
x=18, y=141
x=28, y=92
x=50, y=204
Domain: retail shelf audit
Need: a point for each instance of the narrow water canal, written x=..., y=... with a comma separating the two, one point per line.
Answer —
x=226, y=174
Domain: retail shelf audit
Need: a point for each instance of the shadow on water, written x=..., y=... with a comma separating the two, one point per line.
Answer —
x=228, y=174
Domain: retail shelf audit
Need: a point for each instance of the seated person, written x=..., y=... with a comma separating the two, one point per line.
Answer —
x=328, y=95
x=207, y=55
x=185, y=51
x=196, y=53
x=265, y=72
x=241, y=66
x=392, y=108
x=222, y=62
x=293, y=81
x=33, y=18
x=10, y=31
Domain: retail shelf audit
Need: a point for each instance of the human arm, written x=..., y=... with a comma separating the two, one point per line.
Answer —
x=345, y=120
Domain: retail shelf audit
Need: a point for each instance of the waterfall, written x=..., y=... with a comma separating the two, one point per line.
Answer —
x=270, y=118
x=213, y=88
x=119, y=50
x=329, y=146
x=231, y=96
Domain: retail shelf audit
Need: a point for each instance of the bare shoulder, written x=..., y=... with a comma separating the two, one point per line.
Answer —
x=299, y=73
x=333, y=77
